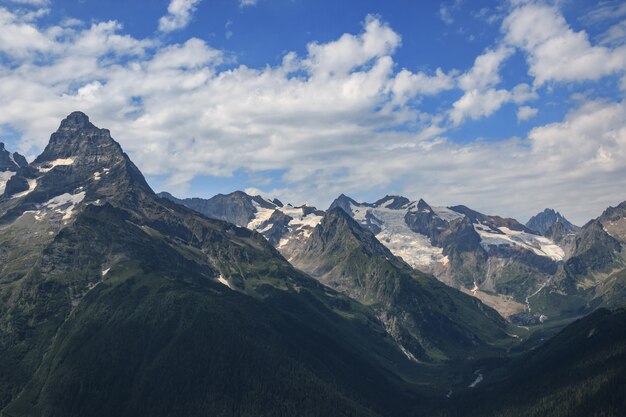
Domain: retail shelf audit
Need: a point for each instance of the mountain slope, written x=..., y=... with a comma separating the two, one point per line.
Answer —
x=428, y=319
x=127, y=302
x=578, y=373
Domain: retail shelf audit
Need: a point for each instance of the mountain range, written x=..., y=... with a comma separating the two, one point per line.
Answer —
x=117, y=301
x=519, y=270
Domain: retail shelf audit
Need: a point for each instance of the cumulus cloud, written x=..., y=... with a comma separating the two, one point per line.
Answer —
x=328, y=121
x=407, y=84
x=526, y=112
x=481, y=98
x=554, y=51
x=486, y=70
x=179, y=14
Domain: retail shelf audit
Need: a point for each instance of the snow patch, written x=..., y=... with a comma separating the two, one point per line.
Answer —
x=96, y=176
x=262, y=215
x=358, y=213
x=65, y=203
x=301, y=222
x=32, y=184
x=540, y=245
x=446, y=214
x=105, y=271
x=407, y=353
x=5, y=176
x=478, y=380
x=224, y=281
x=47, y=166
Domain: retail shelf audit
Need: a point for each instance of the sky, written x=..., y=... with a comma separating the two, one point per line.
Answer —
x=507, y=107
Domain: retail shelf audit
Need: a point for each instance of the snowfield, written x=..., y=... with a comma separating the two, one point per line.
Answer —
x=300, y=225
x=414, y=248
x=540, y=245
x=4, y=178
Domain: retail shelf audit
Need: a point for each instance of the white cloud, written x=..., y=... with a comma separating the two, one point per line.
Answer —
x=526, y=112
x=326, y=120
x=179, y=14
x=407, y=84
x=246, y=3
x=486, y=70
x=476, y=104
x=554, y=51
x=339, y=57
x=481, y=98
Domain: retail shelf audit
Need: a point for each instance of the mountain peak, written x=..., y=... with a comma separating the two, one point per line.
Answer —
x=78, y=137
x=392, y=202
x=10, y=161
x=344, y=202
x=76, y=120
x=543, y=222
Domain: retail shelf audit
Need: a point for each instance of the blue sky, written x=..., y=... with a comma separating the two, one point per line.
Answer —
x=505, y=106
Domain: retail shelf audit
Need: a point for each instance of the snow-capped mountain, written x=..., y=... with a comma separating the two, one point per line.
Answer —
x=488, y=257
x=285, y=226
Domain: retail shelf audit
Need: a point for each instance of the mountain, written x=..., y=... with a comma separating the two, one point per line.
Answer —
x=115, y=301
x=10, y=163
x=594, y=275
x=118, y=302
x=285, y=226
x=552, y=224
x=238, y=208
x=579, y=372
x=495, y=259
x=429, y=320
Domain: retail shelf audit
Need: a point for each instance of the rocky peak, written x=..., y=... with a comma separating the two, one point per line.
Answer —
x=79, y=158
x=10, y=161
x=78, y=138
x=423, y=206
x=393, y=202
x=344, y=202
x=543, y=222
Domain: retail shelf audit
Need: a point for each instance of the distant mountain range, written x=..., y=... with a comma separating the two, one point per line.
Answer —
x=117, y=301
x=509, y=266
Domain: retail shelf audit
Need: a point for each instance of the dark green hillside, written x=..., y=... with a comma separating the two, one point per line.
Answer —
x=580, y=372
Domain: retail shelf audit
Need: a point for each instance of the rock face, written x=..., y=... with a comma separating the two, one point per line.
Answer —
x=550, y=222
